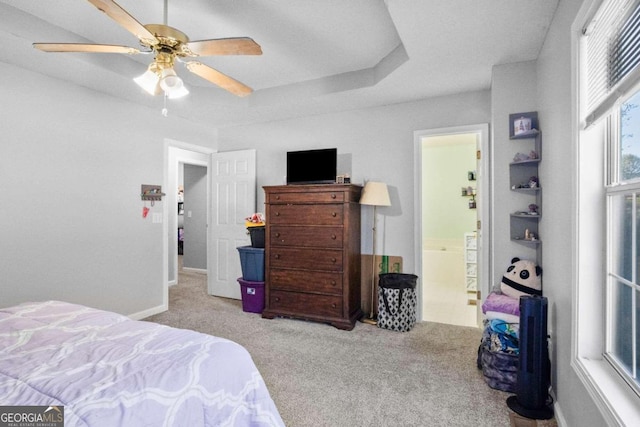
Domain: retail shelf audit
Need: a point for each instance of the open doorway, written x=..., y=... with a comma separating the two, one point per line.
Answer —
x=452, y=253
x=180, y=155
x=192, y=218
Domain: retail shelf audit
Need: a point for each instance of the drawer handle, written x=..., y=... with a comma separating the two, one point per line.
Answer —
x=333, y=237
x=333, y=196
x=333, y=260
x=333, y=305
x=277, y=213
x=277, y=197
x=277, y=234
x=333, y=283
x=277, y=299
x=277, y=256
x=334, y=214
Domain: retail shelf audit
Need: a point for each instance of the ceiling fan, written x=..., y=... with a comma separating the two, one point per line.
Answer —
x=168, y=45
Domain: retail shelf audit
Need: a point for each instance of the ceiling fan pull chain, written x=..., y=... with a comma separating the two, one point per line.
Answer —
x=165, y=112
x=166, y=13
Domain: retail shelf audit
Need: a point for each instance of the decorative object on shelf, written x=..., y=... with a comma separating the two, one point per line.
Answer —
x=343, y=179
x=523, y=124
x=533, y=209
x=374, y=194
x=470, y=192
x=528, y=235
x=532, y=183
x=520, y=157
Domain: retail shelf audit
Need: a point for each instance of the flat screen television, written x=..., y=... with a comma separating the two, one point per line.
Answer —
x=312, y=166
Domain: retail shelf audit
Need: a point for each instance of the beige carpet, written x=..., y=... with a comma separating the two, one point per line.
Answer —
x=321, y=376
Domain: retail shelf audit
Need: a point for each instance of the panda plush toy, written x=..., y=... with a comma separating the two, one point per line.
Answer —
x=522, y=278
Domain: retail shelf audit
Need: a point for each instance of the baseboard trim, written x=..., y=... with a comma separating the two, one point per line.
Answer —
x=195, y=270
x=149, y=312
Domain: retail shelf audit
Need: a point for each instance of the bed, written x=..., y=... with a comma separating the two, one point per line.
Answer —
x=108, y=370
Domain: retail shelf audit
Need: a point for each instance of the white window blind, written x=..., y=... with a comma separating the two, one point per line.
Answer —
x=612, y=44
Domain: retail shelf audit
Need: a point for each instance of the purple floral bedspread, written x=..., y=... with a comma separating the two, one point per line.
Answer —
x=108, y=370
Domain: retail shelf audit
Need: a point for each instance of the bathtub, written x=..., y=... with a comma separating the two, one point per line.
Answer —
x=443, y=263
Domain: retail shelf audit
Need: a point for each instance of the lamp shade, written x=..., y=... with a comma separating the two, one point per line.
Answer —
x=171, y=84
x=375, y=194
x=149, y=81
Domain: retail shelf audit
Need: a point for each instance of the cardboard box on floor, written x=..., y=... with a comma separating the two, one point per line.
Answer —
x=384, y=264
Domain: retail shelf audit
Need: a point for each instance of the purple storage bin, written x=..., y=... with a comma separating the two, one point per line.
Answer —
x=252, y=295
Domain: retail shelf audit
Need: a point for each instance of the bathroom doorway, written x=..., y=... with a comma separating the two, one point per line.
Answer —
x=452, y=199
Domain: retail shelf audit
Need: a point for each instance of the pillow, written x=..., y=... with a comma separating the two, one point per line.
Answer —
x=523, y=277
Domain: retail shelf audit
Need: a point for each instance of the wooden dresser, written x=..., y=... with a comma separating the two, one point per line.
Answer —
x=312, y=258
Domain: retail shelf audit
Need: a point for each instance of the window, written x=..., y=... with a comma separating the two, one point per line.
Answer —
x=607, y=287
x=623, y=236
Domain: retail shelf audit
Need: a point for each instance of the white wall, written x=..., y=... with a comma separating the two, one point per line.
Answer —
x=71, y=165
x=380, y=141
x=446, y=162
x=195, y=217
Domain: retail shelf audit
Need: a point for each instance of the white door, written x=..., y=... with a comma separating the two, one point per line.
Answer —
x=233, y=199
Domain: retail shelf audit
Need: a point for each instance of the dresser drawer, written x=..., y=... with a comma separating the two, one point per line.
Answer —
x=306, y=214
x=309, y=304
x=305, y=259
x=305, y=281
x=320, y=237
x=307, y=197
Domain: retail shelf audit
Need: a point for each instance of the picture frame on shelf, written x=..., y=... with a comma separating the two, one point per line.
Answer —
x=523, y=125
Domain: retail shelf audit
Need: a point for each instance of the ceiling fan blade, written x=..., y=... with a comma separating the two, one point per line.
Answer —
x=122, y=17
x=84, y=47
x=229, y=46
x=217, y=78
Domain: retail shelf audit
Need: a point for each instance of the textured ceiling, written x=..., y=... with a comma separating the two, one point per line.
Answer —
x=318, y=56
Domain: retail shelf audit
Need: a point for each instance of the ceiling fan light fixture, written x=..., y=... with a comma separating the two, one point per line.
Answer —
x=171, y=84
x=148, y=81
x=169, y=80
x=178, y=92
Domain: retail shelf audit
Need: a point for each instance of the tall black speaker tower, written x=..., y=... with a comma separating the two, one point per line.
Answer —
x=532, y=398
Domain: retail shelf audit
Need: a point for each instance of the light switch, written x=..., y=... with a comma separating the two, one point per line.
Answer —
x=157, y=218
x=189, y=214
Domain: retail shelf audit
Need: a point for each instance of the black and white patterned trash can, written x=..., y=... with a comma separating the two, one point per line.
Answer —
x=397, y=301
